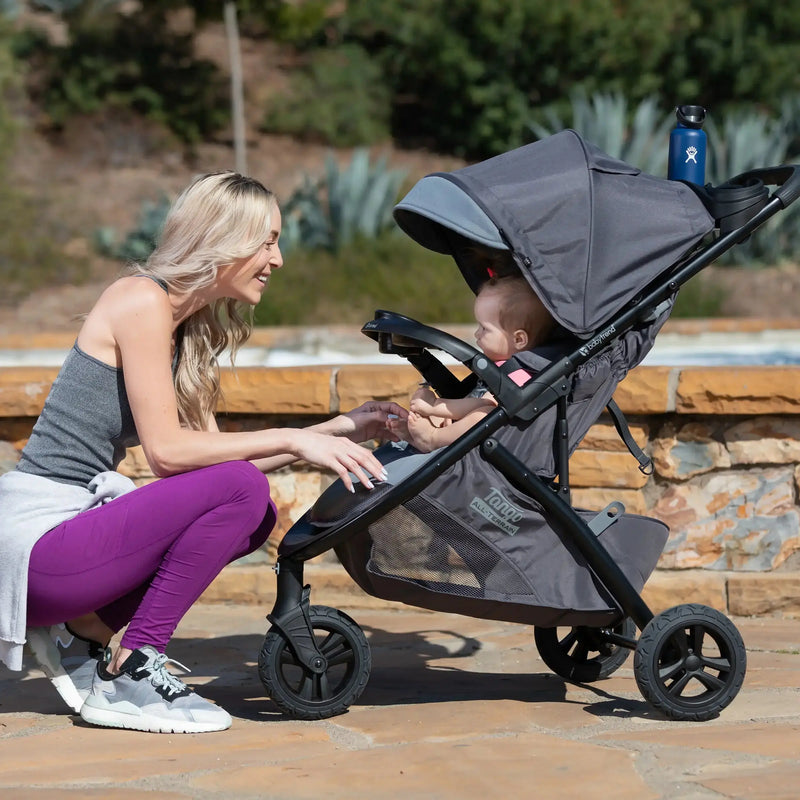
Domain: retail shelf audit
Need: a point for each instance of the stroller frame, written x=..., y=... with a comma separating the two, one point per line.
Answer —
x=327, y=654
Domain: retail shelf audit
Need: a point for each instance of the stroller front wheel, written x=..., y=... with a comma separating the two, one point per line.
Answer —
x=302, y=693
x=690, y=662
x=583, y=654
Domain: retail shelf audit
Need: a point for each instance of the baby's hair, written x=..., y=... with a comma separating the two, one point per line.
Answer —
x=521, y=308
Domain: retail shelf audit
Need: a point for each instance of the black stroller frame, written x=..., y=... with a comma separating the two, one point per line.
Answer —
x=315, y=661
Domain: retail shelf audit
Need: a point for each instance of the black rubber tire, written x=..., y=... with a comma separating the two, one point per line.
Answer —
x=690, y=662
x=583, y=654
x=296, y=690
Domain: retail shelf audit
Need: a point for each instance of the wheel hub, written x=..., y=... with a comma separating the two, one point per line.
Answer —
x=319, y=664
x=692, y=662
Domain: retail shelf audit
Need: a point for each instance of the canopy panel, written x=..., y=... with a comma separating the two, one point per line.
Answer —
x=588, y=231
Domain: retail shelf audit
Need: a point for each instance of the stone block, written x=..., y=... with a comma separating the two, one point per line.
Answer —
x=765, y=440
x=358, y=382
x=647, y=390
x=745, y=390
x=596, y=468
x=665, y=589
x=597, y=499
x=604, y=436
x=276, y=390
x=743, y=521
x=687, y=452
x=294, y=490
x=770, y=593
x=16, y=430
x=23, y=390
x=135, y=465
x=9, y=456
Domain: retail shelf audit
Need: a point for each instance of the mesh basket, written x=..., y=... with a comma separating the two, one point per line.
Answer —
x=420, y=544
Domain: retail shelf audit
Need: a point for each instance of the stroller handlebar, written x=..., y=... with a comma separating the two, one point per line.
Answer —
x=786, y=177
x=404, y=336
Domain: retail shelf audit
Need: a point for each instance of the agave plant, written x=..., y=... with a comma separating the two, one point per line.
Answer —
x=746, y=140
x=639, y=137
x=141, y=240
x=342, y=205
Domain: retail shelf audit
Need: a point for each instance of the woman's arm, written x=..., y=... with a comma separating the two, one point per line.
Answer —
x=140, y=319
x=368, y=421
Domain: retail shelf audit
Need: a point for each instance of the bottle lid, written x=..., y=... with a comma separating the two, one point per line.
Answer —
x=691, y=116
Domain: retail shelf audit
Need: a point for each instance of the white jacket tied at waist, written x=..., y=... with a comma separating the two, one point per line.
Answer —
x=30, y=506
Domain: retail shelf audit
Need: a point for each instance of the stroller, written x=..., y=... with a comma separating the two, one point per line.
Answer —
x=485, y=526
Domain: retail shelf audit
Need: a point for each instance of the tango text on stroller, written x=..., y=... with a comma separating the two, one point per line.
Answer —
x=498, y=510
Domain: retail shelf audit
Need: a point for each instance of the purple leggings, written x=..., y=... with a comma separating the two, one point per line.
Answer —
x=144, y=558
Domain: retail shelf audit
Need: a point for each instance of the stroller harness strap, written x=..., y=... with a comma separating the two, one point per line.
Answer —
x=624, y=431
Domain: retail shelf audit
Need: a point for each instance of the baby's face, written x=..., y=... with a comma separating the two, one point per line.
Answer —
x=492, y=339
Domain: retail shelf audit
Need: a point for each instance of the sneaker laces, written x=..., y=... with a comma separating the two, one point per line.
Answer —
x=159, y=676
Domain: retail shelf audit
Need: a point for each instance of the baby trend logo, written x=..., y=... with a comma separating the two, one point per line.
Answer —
x=498, y=510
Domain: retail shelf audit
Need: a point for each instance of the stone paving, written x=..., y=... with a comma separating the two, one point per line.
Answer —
x=455, y=708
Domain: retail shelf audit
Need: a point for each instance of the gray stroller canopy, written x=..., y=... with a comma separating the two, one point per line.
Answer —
x=587, y=231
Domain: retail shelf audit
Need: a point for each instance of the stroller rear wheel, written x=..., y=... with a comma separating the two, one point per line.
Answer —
x=303, y=693
x=690, y=662
x=583, y=654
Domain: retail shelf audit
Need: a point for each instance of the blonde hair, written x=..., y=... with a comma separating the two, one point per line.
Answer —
x=218, y=218
x=520, y=308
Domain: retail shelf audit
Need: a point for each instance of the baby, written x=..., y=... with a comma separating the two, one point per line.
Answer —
x=510, y=318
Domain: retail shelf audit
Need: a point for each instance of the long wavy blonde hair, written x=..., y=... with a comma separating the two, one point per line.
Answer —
x=219, y=217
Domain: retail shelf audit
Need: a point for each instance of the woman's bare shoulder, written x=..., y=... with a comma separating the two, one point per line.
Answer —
x=133, y=295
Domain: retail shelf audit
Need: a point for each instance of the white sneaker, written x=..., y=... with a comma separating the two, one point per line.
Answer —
x=69, y=660
x=145, y=697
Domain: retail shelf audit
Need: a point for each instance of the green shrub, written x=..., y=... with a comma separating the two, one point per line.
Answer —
x=127, y=61
x=339, y=98
x=31, y=242
x=31, y=248
x=698, y=298
x=466, y=77
x=744, y=140
x=317, y=287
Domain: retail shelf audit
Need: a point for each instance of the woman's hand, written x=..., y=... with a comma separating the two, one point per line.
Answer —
x=338, y=454
x=368, y=421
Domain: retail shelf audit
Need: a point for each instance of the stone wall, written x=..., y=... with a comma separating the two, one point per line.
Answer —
x=725, y=444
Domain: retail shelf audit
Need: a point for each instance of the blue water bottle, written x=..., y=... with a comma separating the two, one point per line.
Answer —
x=687, y=146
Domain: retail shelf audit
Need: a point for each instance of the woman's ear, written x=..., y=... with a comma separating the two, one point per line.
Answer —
x=520, y=339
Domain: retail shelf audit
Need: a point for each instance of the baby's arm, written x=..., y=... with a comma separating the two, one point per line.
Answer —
x=454, y=408
x=426, y=437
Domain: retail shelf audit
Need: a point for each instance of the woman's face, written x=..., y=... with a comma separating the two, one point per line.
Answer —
x=246, y=278
x=495, y=342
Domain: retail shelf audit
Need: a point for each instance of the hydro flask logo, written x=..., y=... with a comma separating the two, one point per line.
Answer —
x=691, y=155
x=498, y=510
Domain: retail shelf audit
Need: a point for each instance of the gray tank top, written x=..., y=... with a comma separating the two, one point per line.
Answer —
x=86, y=423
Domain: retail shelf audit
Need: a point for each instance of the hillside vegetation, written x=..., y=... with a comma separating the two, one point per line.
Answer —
x=112, y=107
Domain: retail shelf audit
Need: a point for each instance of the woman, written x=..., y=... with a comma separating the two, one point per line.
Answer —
x=79, y=542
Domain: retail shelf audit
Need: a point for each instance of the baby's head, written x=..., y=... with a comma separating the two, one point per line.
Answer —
x=510, y=317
